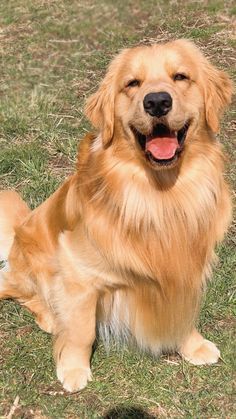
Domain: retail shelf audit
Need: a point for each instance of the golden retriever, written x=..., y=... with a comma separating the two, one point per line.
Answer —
x=127, y=242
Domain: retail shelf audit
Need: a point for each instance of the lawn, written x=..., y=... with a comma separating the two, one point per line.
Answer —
x=53, y=54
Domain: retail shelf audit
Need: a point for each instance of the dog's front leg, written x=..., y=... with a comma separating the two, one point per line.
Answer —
x=75, y=334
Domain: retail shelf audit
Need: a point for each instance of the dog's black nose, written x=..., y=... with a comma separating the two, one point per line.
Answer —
x=157, y=104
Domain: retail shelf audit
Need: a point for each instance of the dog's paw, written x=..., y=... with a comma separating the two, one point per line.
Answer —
x=74, y=379
x=46, y=323
x=206, y=353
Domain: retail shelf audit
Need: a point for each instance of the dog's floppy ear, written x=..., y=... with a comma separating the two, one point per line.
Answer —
x=100, y=106
x=217, y=93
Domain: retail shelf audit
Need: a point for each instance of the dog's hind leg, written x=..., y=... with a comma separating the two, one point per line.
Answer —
x=43, y=316
x=18, y=287
x=15, y=281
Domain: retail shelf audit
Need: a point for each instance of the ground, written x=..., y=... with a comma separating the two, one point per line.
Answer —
x=53, y=54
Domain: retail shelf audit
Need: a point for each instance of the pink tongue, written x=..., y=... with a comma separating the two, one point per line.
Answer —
x=162, y=148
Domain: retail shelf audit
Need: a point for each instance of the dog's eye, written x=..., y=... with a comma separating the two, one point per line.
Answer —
x=133, y=83
x=180, y=76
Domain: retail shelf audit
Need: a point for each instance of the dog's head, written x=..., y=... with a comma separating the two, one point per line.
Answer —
x=157, y=97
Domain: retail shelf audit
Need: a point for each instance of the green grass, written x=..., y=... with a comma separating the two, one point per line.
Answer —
x=53, y=54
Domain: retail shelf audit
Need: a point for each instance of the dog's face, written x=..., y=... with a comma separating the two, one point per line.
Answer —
x=157, y=96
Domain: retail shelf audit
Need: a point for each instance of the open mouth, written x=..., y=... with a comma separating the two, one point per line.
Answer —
x=163, y=146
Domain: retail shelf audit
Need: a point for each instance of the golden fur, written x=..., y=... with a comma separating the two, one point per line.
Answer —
x=123, y=242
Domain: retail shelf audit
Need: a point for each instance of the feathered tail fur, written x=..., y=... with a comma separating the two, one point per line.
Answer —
x=13, y=210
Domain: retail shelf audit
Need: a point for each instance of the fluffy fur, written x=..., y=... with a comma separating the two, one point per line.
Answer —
x=124, y=242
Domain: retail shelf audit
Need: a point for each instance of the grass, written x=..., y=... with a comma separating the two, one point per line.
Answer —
x=53, y=54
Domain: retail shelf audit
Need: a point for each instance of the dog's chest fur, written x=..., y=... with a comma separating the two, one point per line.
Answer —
x=141, y=231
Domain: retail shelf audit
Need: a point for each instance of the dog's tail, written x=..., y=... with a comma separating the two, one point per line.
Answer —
x=13, y=210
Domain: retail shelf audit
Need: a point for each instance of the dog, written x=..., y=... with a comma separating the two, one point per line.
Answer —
x=126, y=244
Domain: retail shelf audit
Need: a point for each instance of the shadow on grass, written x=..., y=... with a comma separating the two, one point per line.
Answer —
x=127, y=412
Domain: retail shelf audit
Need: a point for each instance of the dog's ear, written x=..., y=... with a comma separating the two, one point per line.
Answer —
x=100, y=107
x=217, y=94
